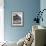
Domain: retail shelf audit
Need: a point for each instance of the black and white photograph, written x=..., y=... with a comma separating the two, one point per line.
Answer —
x=17, y=18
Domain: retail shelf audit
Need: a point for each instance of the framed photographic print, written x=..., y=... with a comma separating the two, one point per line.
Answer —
x=17, y=18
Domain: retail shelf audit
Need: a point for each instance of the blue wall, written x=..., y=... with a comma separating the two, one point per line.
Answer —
x=29, y=7
x=43, y=6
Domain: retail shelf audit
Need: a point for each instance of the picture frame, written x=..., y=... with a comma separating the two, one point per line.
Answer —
x=17, y=18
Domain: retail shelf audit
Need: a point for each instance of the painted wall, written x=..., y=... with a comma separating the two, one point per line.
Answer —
x=29, y=7
x=43, y=6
